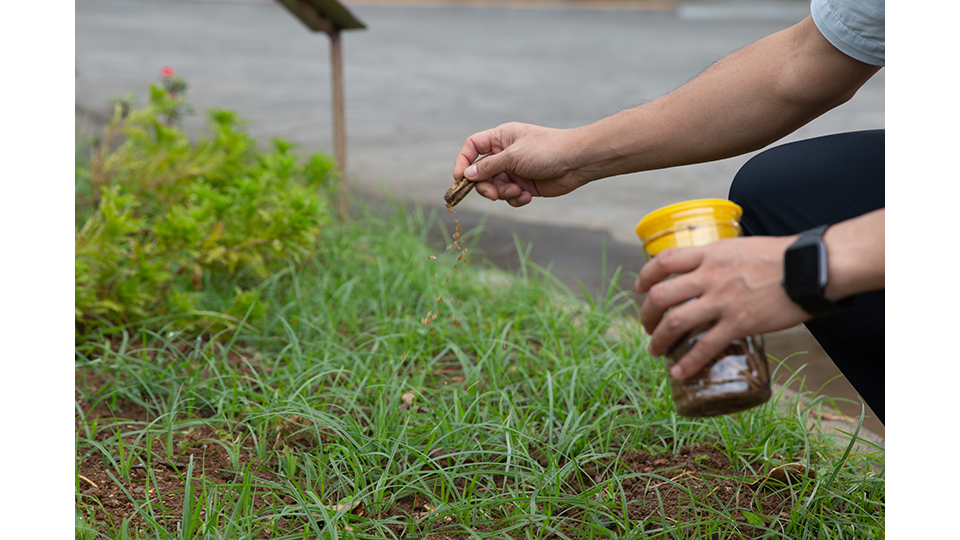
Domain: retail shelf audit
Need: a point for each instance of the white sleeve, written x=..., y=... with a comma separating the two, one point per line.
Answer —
x=856, y=27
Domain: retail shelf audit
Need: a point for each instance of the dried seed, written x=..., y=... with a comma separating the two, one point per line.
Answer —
x=457, y=191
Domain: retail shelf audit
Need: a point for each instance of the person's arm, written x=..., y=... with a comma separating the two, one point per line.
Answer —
x=743, y=102
x=856, y=255
x=737, y=286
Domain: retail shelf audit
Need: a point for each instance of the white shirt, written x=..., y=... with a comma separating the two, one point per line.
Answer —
x=856, y=27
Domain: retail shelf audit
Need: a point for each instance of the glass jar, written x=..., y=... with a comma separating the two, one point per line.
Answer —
x=738, y=378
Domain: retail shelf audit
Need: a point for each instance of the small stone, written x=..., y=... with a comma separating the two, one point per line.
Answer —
x=607, y=522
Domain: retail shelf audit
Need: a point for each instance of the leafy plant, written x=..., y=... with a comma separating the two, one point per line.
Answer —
x=173, y=228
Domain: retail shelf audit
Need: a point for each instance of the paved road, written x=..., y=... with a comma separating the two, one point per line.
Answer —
x=419, y=80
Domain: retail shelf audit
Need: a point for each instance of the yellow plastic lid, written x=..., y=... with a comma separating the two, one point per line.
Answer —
x=673, y=225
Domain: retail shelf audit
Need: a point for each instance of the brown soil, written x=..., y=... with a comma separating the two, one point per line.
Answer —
x=661, y=490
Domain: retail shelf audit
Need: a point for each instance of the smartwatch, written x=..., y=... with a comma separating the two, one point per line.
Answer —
x=805, y=274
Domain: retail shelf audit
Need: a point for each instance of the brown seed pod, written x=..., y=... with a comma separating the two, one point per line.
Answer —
x=460, y=189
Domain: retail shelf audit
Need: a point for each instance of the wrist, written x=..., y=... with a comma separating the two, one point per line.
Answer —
x=855, y=252
x=585, y=158
x=806, y=273
x=604, y=148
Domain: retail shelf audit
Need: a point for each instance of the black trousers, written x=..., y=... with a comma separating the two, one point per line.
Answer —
x=801, y=185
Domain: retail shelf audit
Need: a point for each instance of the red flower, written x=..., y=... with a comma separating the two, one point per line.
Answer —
x=166, y=71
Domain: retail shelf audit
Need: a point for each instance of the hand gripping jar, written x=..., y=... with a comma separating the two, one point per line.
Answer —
x=738, y=378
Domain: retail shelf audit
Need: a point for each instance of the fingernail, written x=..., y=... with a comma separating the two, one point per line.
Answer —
x=676, y=372
x=471, y=171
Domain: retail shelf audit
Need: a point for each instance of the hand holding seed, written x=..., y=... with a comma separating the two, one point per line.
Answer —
x=522, y=161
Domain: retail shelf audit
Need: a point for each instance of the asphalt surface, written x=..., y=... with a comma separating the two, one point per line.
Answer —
x=420, y=79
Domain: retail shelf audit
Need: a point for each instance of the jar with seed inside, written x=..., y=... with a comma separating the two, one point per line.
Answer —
x=738, y=378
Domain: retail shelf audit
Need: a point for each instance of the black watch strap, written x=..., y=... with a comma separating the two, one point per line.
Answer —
x=810, y=299
x=819, y=306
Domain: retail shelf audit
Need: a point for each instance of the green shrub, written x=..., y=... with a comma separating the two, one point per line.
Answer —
x=173, y=229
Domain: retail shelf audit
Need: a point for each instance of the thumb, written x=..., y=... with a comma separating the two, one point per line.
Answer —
x=488, y=166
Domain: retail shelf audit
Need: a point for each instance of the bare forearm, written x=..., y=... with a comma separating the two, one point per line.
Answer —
x=742, y=103
x=856, y=255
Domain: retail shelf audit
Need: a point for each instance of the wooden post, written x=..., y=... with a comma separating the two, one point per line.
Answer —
x=330, y=17
x=339, y=122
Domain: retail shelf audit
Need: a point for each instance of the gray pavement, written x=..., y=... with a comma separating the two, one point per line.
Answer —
x=419, y=80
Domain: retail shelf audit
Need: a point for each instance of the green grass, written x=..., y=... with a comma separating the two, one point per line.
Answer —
x=345, y=396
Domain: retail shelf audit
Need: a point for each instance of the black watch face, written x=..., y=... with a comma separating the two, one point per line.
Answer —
x=803, y=272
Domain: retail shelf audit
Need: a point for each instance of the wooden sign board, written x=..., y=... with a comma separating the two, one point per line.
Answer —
x=327, y=16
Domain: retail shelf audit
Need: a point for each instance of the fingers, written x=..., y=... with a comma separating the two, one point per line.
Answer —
x=515, y=162
x=663, y=293
x=502, y=187
x=674, y=306
x=511, y=193
x=491, y=143
x=663, y=330
x=666, y=263
x=475, y=146
x=708, y=346
x=677, y=322
x=490, y=167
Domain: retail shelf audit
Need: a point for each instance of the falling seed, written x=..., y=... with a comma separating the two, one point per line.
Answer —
x=456, y=235
x=456, y=323
x=432, y=257
x=458, y=227
x=440, y=299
